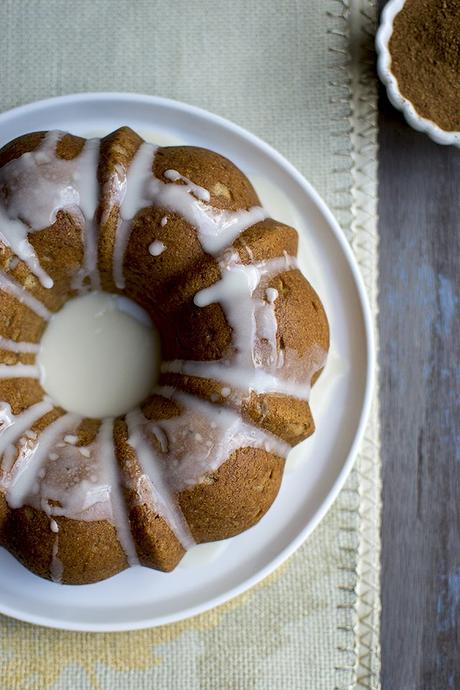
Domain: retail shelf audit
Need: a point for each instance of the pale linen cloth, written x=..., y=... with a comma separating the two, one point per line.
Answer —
x=297, y=74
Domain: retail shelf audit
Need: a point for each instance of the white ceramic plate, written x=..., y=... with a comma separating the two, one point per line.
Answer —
x=212, y=574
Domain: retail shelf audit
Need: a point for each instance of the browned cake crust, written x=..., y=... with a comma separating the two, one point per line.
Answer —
x=236, y=495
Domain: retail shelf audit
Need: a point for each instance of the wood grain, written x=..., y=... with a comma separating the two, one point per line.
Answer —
x=419, y=209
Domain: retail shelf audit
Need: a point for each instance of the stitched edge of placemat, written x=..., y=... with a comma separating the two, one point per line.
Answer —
x=365, y=245
x=348, y=499
x=354, y=102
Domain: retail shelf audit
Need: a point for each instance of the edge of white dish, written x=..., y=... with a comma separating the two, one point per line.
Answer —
x=310, y=192
x=382, y=40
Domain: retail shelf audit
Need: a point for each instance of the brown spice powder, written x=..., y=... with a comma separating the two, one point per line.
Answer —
x=425, y=59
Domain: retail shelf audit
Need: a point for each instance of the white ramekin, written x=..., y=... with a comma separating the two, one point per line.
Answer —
x=382, y=39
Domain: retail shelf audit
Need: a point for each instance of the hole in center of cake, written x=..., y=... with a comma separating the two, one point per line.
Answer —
x=99, y=356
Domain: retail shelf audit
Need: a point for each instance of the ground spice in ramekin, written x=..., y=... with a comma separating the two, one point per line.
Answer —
x=425, y=59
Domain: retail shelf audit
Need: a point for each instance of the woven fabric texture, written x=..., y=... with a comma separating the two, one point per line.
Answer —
x=298, y=75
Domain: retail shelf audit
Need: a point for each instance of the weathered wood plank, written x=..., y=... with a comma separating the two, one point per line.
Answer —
x=419, y=209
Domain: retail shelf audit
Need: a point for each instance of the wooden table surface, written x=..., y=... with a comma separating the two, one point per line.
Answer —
x=419, y=226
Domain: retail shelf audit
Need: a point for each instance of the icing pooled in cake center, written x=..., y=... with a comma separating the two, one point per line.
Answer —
x=99, y=355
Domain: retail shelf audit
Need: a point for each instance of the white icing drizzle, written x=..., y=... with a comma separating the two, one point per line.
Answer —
x=36, y=186
x=267, y=329
x=85, y=180
x=10, y=286
x=19, y=371
x=13, y=426
x=271, y=294
x=71, y=438
x=131, y=199
x=189, y=457
x=56, y=566
x=16, y=346
x=216, y=229
x=114, y=190
x=160, y=437
x=73, y=484
x=152, y=466
x=246, y=313
x=192, y=188
x=238, y=377
x=13, y=234
x=30, y=461
x=156, y=248
x=256, y=364
x=120, y=517
x=19, y=208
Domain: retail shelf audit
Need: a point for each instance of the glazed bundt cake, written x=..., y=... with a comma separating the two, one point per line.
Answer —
x=180, y=231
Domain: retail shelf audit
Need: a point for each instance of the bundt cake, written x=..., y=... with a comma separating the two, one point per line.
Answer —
x=180, y=231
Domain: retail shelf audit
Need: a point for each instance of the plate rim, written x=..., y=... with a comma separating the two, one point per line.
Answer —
x=370, y=374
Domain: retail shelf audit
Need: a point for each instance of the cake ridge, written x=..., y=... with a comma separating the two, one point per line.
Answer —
x=27, y=467
x=189, y=200
x=256, y=437
x=12, y=422
x=9, y=285
x=37, y=208
x=120, y=514
x=153, y=468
